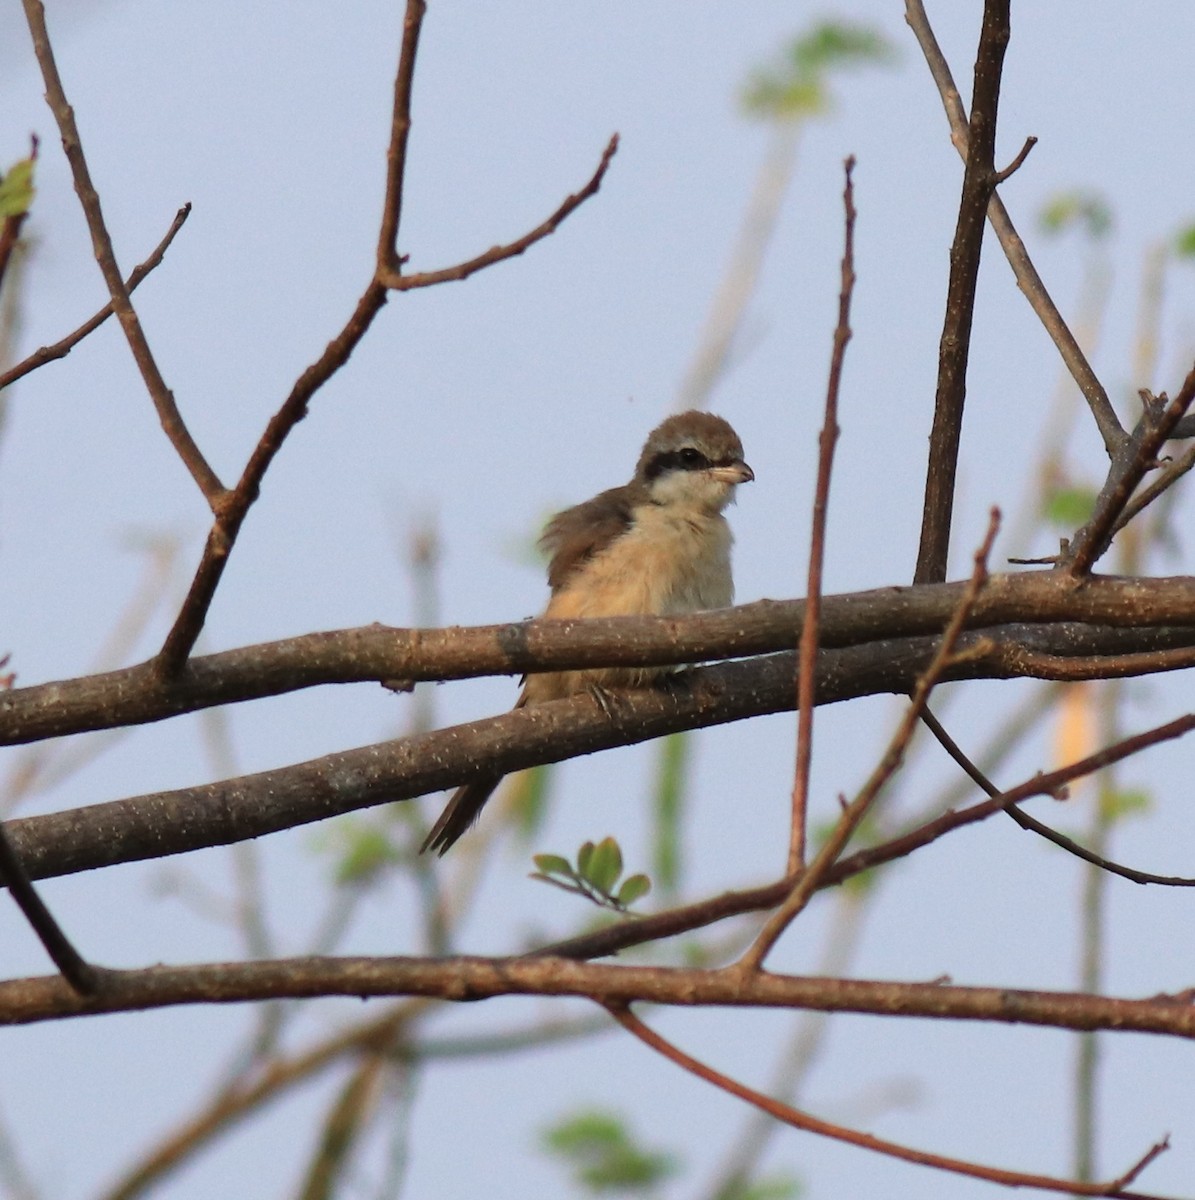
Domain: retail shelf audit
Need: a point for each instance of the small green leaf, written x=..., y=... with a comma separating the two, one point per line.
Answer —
x=605, y=865
x=529, y=792
x=1127, y=802
x=366, y=850
x=16, y=189
x=584, y=858
x=1184, y=243
x=675, y=752
x=633, y=888
x=604, y=1156
x=770, y=1187
x=1069, y=507
x=1083, y=209
x=797, y=87
x=553, y=864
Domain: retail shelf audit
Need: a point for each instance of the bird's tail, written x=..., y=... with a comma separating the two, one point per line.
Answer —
x=462, y=810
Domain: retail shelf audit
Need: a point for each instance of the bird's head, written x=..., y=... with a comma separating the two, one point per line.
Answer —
x=693, y=460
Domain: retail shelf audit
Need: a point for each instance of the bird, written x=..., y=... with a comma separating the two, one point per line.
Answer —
x=658, y=545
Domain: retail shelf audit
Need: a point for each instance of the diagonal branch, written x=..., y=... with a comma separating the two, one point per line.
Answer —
x=853, y=1137
x=81, y=976
x=807, y=649
x=393, y=277
x=61, y=349
x=1129, y=467
x=101, y=242
x=809, y=881
x=979, y=185
x=231, y=516
x=1028, y=280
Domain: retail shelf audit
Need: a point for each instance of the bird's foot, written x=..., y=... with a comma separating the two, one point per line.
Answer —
x=678, y=683
x=604, y=699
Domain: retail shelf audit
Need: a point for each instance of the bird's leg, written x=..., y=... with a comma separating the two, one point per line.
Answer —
x=604, y=699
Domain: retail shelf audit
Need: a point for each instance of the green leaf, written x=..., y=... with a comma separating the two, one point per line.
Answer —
x=633, y=888
x=529, y=791
x=798, y=86
x=675, y=754
x=604, y=1156
x=1184, y=243
x=1126, y=802
x=770, y=1187
x=16, y=189
x=553, y=864
x=1069, y=507
x=584, y=858
x=1085, y=210
x=366, y=851
x=604, y=866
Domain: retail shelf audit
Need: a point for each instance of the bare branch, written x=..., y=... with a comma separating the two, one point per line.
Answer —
x=1028, y=280
x=101, y=242
x=1127, y=470
x=866, y=1141
x=807, y=650
x=393, y=277
x=189, y=622
x=61, y=349
x=78, y=973
x=1025, y=821
x=469, y=978
x=1157, y=617
x=807, y=883
x=979, y=184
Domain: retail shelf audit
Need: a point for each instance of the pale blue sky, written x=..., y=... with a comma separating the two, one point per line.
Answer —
x=531, y=386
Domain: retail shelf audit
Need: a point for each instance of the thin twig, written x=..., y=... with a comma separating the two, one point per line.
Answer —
x=80, y=974
x=702, y=913
x=61, y=349
x=1152, y=432
x=1025, y=821
x=1168, y=476
x=811, y=1124
x=394, y=278
x=1028, y=280
x=189, y=622
x=101, y=243
x=809, y=881
x=827, y=439
x=979, y=184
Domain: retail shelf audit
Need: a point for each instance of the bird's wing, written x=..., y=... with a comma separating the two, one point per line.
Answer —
x=577, y=534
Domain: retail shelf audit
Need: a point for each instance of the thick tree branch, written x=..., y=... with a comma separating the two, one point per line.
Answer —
x=1145, y=608
x=979, y=184
x=250, y=806
x=466, y=978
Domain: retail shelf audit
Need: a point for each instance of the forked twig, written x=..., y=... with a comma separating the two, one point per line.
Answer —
x=827, y=439
x=866, y=1141
x=1126, y=472
x=810, y=880
x=395, y=279
x=1028, y=280
x=62, y=348
x=101, y=242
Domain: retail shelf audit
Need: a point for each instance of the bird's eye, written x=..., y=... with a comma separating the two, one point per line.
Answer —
x=691, y=458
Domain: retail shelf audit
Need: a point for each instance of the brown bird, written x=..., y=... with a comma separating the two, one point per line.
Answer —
x=657, y=545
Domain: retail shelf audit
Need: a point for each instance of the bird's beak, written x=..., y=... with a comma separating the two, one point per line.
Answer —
x=735, y=472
